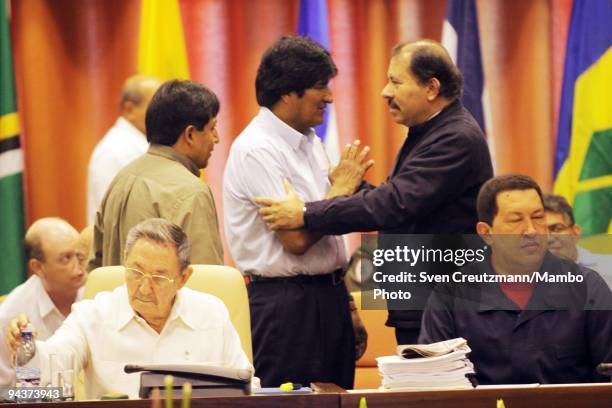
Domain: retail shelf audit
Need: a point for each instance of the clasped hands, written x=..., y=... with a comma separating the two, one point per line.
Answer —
x=345, y=178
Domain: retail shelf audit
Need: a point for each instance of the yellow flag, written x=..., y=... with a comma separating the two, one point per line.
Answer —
x=161, y=50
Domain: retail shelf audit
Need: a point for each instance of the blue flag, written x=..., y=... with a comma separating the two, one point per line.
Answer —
x=461, y=38
x=313, y=22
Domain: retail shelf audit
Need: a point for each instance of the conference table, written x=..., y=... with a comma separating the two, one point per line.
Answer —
x=331, y=396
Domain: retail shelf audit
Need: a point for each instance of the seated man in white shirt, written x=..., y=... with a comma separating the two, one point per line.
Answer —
x=564, y=234
x=152, y=319
x=54, y=260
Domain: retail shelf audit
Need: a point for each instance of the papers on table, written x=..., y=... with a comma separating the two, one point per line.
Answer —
x=442, y=371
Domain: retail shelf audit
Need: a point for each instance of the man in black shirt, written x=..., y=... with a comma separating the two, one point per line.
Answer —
x=439, y=170
x=527, y=315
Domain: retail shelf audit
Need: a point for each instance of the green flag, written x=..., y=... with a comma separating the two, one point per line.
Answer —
x=12, y=265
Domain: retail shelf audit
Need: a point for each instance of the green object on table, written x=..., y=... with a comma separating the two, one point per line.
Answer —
x=363, y=403
x=114, y=396
x=186, y=395
x=168, y=381
x=288, y=386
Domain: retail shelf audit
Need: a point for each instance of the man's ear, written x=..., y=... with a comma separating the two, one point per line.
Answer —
x=433, y=89
x=187, y=134
x=127, y=110
x=286, y=99
x=576, y=230
x=484, y=230
x=186, y=275
x=35, y=266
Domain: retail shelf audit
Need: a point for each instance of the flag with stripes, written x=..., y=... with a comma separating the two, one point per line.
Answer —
x=583, y=160
x=460, y=36
x=12, y=264
x=313, y=22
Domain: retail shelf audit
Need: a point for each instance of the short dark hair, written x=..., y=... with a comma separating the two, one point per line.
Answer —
x=427, y=62
x=291, y=64
x=486, y=203
x=558, y=204
x=176, y=105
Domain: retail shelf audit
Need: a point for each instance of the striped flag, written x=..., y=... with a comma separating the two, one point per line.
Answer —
x=313, y=22
x=12, y=264
x=161, y=49
x=460, y=36
x=583, y=160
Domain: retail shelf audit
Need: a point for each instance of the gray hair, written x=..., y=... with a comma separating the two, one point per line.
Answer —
x=162, y=232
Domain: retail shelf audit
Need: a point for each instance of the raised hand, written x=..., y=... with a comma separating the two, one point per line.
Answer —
x=348, y=174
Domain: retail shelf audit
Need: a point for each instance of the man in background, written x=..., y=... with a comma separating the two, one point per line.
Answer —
x=564, y=234
x=86, y=244
x=55, y=261
x=433, y=185
x=122, y=143
x=165, y=182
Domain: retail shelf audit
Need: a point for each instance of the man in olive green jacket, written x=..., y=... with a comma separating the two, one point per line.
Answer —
x=164, y=183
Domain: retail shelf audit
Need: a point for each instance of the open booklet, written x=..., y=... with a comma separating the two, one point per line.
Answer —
x=430, y=350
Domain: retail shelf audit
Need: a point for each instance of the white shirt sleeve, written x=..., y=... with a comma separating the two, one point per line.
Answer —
x=7, y=371
x=68, y=342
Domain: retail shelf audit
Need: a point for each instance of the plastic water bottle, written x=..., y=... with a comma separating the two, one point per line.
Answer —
x=26, y=376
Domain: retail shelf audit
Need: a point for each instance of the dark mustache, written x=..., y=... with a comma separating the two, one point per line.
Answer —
x=529, y=241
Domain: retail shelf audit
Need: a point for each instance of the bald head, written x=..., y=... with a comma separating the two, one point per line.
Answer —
x=51, y=246
x=135, y=97
x=428, y=59
x=43, y=230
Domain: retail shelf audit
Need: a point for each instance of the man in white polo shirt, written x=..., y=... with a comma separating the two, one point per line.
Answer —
x=300, y=318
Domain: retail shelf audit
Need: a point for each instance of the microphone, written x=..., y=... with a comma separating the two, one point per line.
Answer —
x=605, y=369
x=132, y=368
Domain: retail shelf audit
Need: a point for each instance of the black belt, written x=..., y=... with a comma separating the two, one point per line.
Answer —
x=334, y=278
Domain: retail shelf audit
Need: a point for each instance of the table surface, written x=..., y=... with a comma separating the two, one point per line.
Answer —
x=547, y=396
x=332, y=396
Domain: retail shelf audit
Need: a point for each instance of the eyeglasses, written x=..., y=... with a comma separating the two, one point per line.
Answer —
x=138, y=276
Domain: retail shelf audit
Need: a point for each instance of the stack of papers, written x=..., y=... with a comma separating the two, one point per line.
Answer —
x=446, y=366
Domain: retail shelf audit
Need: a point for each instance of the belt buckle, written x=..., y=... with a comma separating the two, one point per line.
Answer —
x=337, y=277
